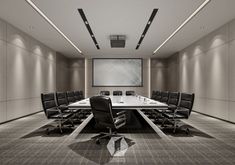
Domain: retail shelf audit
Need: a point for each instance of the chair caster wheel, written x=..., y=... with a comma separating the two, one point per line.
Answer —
x=97, y=142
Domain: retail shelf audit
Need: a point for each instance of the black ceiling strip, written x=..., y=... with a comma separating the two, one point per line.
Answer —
x=147, y=27
x=82, y=14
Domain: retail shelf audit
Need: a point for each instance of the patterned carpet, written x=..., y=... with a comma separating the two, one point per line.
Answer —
x=24, y=141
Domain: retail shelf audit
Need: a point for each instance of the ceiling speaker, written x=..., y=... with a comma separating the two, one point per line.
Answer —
x=117, y=41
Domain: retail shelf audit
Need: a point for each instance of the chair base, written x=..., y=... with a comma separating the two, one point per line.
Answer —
x=60, y=125
x=105, y=135
x=175, y=124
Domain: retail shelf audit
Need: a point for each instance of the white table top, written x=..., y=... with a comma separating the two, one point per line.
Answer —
x=125, y=102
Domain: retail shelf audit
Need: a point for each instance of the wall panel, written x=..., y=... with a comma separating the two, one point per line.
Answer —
x=207, y=68
x=27, y=68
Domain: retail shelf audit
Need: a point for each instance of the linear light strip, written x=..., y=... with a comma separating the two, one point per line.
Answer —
x=184, y=23
x=52, y=24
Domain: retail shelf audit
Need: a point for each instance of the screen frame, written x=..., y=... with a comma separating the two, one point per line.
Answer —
x=142, y=80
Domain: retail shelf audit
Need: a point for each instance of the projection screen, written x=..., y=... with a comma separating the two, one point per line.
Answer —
x=117, y=72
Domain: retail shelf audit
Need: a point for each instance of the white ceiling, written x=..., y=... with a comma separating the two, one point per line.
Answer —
x=106, y=17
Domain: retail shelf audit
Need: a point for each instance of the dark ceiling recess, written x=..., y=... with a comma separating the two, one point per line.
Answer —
x=82, y=14
x=147, y=27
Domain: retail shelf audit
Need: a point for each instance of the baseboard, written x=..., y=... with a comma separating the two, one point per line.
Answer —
x=214, y=117
x=20, y=117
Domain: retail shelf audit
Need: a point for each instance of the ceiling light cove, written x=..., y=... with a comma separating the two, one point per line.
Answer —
x=82, y=14
x=52, y=24
x=183, y=24
x=147, y=27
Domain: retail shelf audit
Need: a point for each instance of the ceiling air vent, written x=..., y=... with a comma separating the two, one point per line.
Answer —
x=117, y=41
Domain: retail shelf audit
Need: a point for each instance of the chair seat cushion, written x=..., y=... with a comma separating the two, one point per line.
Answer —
x=172, y=107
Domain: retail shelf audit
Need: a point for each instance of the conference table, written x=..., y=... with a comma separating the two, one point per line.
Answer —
x=136, y=102
x=124, y=102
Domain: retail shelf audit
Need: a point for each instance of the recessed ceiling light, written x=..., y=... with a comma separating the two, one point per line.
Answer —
x=52, y=24
x=184, y=23
x=149, y=22
x=86, y=22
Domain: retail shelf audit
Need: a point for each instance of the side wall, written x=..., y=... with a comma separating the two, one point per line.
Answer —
x=27, y=68
x=207, y=68
x=62, y=73
x=165, y=73
x=70, y=73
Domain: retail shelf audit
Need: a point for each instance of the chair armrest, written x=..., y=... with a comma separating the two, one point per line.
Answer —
x=56, y=109
x=63, y=106
x=123, y=116
x=121, y=113
x=181, y=110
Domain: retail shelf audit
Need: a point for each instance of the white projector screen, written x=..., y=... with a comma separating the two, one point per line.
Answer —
x=117, y=72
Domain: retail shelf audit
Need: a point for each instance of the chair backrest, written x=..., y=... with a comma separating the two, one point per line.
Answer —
x=78, y=95
x=186, y=102
x=61, y=98
x=158, y=95
x=70, y=97
x=101, y=107
x=81, y=95
x=153, y=96
x=48, y=102
x=104, y=93
x=117, y=93
x=130, y=93
x=173, y=98
x=165, y=97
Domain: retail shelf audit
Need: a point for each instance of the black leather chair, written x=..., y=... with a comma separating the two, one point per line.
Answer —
x=153, y=96
x=70, y=97
x=183, y=111
x=101, y=107
x=78, y=95
x=104, y=93
x=130, y=93
x=62, y=103
x=165, y=97
x=173, y=102
x=52, y=111
x=117, y=93
x=158, y=96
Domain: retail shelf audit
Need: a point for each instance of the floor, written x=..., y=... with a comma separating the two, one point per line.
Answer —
x=24, y=141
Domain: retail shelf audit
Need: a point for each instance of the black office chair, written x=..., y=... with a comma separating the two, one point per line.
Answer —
x=52, y=111
x=158, y=96
x=101, y=107
x=78, y=95
x=81, y=95
x=130, y=93
x=153, y=96
x=70, y=97
x=165, y=97
x=62, y=103
x=104, y=93
x=117, y=93
x=183, y=111
x=173, y=102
